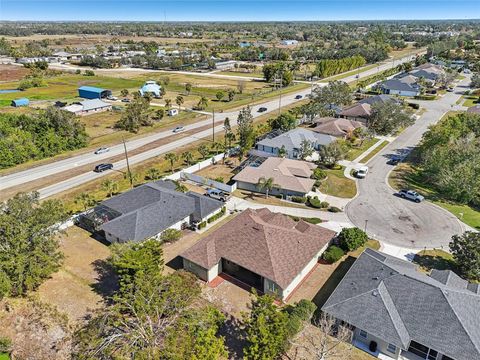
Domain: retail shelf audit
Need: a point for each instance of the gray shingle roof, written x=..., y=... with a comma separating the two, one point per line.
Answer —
x=382, y=98
x=293, y=139
x=151, y=208
x=395, y=84
x=204, y=205
x=388, y=298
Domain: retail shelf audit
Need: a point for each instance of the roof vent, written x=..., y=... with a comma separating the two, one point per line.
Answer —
x=375, y=292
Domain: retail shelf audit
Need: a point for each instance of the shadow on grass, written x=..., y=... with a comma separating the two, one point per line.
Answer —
x=332, y=282
x=433, y=261
x=107, y=280
x=234, y=336
x=176, y=263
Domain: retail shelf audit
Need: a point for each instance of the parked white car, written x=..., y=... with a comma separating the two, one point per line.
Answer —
x=361, y=172
x=102, y=150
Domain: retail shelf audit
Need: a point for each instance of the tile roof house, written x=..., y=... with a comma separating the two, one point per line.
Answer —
x=87, y=107
x=146, y=211
x=291, y=176
x=291, y=141
x=265, y=250
x=407, y=313
x=338, y=127
x=398, y=87
x=357, y=112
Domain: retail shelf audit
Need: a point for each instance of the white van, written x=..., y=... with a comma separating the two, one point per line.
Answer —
x=172, y=112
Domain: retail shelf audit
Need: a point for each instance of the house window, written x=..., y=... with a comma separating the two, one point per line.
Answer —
x=363, y=334
x=392, y=348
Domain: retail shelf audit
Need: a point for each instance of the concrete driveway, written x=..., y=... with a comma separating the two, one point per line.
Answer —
x=391, y=219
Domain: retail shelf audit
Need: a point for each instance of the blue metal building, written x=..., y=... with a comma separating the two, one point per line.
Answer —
x=91, y=92
x=20, y=102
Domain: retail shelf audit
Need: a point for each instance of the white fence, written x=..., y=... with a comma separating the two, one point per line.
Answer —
x=197, y=167
x=209, y=182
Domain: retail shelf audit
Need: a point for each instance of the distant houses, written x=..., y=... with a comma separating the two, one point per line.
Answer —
x=338, y=127
x=225, y=65
x=399, y=87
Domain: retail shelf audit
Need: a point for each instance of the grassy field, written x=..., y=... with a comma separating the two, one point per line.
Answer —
x=256, y=74
x=375, y=151
x=338, y=185
x=405, y=176
x=350, y=73
x=4, y=356
x=470, y=101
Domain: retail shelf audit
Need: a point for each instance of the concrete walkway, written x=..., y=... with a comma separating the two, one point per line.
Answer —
x=399, y=252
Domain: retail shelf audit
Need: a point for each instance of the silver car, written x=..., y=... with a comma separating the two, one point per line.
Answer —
x=411, y=195
x=102, y=150
x=178, y=129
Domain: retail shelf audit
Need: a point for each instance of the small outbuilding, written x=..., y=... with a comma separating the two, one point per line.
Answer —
x=91, y=92
x=152, y=88
x=20, y=102
x=172, y=112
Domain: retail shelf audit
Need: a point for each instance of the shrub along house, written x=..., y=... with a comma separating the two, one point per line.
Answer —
x=399, y=312
x=146, y=211
x=264, y=250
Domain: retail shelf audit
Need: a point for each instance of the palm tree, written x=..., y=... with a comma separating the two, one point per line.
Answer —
x=110, y=187
x=168, y=103
x=180, y=187
x=85, y=199
x=124, y=92
x=203, y=150
x=153, y=174
x=188, y=157
x=179, y=101
x=217, y=147
x=188, y=88
x=266, y=184
x=171, y=157
x=131, y=177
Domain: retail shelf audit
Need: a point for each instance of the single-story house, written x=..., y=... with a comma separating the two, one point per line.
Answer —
x=92, y=92
x=407, y=313
x=292, y=177
x=289, y=42
x=225, y=65
x=474, y=109
x=358, y=112
x=264, y=250
x=146, y=211
x=338, y=127
x=20, y=102
x=291, y=141
x=377, y=99
x=398, y=87
x=87, y=107
x=408, y=79
x=152, y=88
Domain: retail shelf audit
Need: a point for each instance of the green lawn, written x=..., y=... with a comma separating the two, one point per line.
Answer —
x=374, y=152
x=338, y=185
x=470, y=100
x=350, y=73
x=465, y=213
x=356, y=151
x=434, y=259
x=240, y=73
x=4, y=356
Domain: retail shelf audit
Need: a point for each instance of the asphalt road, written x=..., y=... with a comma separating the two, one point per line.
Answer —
x=397, y=221
x=38, y=172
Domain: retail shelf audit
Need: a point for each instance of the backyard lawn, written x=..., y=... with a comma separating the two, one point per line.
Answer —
x=338, y=185
x=434, y=259
x=356, y=151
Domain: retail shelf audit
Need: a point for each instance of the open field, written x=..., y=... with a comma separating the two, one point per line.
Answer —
x=256, y=74
x=12, y=72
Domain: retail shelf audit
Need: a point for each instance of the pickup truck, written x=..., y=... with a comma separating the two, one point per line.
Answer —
x=410, y=195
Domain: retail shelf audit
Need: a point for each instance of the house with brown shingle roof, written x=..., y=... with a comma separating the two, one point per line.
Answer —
x=358, y=112
x=292, y=177
x=337, y=127
x=267, y=251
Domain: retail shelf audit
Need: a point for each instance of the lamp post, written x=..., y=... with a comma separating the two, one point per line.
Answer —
x=366, y=223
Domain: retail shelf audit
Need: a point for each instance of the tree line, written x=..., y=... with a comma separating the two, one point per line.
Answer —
x=329, y=67
x=36, y=136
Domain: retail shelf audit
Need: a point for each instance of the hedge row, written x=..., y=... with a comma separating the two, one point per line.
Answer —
x=217, y=215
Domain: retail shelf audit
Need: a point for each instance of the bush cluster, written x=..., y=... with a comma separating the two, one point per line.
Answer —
x=352, y=238
x=217, y=216
x=333, y=254
x=299, y=199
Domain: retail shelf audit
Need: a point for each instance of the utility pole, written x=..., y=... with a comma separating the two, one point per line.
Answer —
x=213, y=126
x=280, y=98
x=129, y=173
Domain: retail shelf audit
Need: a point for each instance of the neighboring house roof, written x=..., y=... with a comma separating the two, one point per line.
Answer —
x=87, y=105
x=357, y=110
x=396, y=84
x=204, y=205
x=288, y=174
x=474, y=109
x=92, y=89
x=390, y=299
x=269, y=244
x=335, y=126
x=382, y=98
x=408, y=79
x=150, y=87
x=151, y=208
x=426, y=74
x=293, y=139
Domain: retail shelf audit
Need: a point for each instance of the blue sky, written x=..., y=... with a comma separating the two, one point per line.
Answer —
x=235, y=10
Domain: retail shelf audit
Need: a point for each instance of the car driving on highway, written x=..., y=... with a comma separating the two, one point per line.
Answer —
x=101, y=150
x=298, y=97
x=178, y=129
x=262, y=109
x=410, y=195
x=103, y=167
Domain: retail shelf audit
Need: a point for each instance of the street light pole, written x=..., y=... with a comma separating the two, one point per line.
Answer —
x=213, y=125
x=366, y=223
x=129, y=173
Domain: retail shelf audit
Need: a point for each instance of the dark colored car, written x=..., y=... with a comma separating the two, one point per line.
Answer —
x=262, y=109
x=298, y=97
x=103, y=167
x=393, y=161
